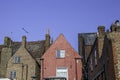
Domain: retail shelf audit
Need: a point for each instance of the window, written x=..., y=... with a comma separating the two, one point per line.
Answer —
x=13, y=74
x=55, y=78
x=17, y=59
x=62, y=72
x=60, y=53
x=95, y=53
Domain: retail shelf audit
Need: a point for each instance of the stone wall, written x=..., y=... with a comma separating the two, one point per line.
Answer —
x=5, y=56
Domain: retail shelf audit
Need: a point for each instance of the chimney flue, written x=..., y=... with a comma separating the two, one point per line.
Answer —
x=47, y=41
x=24, y=41
x=101, y=31
x=117, y=22
x=7, y=41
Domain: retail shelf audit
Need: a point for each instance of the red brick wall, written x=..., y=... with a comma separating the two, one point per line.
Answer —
x=50, y=62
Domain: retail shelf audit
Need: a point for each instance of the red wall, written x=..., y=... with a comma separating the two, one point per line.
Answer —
x=50, y=62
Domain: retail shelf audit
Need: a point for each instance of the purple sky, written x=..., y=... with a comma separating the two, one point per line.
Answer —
x=69, y=17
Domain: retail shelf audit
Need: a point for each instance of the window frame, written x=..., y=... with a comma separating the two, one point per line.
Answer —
x=62, y=70
x=17, y=59
x=13, y=74
x=60, y=53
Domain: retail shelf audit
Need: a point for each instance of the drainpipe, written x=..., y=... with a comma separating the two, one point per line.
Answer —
x=26, y=71
x=76, y=66
x=42, y=68
x=22, y=71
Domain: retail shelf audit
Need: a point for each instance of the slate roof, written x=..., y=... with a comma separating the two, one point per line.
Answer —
x=89, y=38
x=35, y=48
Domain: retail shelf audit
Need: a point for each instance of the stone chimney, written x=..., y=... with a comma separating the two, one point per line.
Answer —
x=101, y=31
x=24, y=41
x=117, y=22
x=7, y=41
x=101, y=35
x=117, y=25
x=47, y=40
x=113, y=27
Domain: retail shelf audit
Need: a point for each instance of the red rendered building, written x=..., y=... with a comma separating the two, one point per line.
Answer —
x=61, y=60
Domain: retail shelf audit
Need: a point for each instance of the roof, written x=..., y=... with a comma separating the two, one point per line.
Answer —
x=89, y=38
x=59, y=44
x=35, y=48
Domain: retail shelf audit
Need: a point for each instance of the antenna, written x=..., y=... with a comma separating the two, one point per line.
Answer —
x=48, y=31
x=25, y=30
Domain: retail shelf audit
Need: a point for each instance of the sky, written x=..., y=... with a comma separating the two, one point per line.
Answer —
x=68, y=17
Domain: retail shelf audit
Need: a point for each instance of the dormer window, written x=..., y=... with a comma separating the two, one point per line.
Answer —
x=17, y=59
x=60, y=54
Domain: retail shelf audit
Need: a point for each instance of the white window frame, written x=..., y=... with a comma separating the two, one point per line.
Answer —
x=65, y=69
x=60, y=54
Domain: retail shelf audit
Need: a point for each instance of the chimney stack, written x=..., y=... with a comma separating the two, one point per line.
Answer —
x=101, y=31
x=47, y=41
x=115, y=26
x=24, y=41
x=7, y=41
x=117, y=22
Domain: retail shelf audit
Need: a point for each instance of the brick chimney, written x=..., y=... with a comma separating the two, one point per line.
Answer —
x=101, y=31
x=24, y=41
x=47, y=40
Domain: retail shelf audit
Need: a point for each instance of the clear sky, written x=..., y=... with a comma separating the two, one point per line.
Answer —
x=69, y=17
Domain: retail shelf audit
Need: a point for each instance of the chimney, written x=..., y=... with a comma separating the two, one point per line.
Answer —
x=47, y=40
x=113, y=27
x=117, y=22
x=24, y=41
x=117, y=25
x=101, y=31
x=7, y=41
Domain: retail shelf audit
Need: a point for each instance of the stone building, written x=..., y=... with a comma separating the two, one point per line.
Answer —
x=33, y=51
x=103, y=60
x=61, y=60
